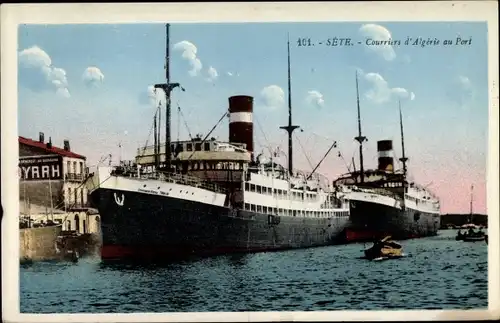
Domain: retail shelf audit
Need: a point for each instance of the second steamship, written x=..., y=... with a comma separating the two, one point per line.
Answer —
x=209, y=197
x=384, y=201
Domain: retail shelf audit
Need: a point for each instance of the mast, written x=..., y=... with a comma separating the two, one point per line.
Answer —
x=167, y=88
x=289, y=128
x=403, y=159
x=156, y=141
x=159, y=133
x=360, y=138
x=471, y=200
x=168, y=139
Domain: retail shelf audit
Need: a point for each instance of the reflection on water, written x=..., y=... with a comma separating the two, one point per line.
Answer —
x=439, y=272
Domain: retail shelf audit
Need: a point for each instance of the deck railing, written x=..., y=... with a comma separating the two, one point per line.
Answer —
x=176, y=179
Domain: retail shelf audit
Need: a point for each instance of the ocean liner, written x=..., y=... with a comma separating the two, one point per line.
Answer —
x=384, y=201
x=208, y=197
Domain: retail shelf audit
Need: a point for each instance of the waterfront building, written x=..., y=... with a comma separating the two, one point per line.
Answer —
x=52, y=185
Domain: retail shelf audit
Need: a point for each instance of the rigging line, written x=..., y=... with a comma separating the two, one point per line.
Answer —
x=304, y=151
x=210, y=132
x=261, y=130
x=150, y=130
x=185, y=122
x=178, y=121
x=346, y=165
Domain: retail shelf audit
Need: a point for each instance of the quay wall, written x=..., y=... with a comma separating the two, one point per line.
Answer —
x=38, y=244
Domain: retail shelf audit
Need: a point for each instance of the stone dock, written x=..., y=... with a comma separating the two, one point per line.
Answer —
x=56, y=235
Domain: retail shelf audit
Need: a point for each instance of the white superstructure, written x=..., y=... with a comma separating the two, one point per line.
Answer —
x=269, y=190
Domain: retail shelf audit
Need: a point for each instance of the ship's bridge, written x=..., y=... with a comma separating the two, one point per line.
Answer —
x=211, y=160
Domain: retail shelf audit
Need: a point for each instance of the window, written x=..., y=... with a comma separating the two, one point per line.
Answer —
x=259, y=208
x=81, y=167
x=189, y=147
x=68, y=167
x=259, y=189
x=69, y=194
x=252, y=187
x=81, y=197
x=74, y=167
x=76, y=195
x=252, y=207
x=247, y=186
x=197, y=146
x=247, y=207
x=207, y=146
x=265, y=209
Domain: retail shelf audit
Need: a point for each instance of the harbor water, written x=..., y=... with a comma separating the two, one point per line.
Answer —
x=437, y=273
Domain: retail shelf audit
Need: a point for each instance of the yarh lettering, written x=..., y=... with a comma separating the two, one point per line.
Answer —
x=40, y=172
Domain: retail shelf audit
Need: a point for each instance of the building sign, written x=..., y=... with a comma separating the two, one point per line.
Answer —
x=40, y=168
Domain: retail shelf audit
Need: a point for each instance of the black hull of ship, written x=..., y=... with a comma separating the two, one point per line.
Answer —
x=161, y=228
x=369, y=221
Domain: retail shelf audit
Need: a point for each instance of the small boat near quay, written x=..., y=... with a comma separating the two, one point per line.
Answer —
x=471, y=235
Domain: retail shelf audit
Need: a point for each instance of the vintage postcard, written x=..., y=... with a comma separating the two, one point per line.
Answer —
x=250, y=161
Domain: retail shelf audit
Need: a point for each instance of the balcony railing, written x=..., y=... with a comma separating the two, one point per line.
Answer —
x=74, y=177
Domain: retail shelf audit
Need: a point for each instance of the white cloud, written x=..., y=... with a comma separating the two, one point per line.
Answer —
x=155, y=96
x=315, y=98
x=35, y=57
x=378, y=33
x=93, y=76
x=273, y=96
x=189, y=51
x=461, y=90
x=63, y=92
x=381, y=92
x=212, y=74
x=464, y=82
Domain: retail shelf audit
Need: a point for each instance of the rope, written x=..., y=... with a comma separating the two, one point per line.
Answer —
x=185, y=123
x=210, y=132
x=303, y=151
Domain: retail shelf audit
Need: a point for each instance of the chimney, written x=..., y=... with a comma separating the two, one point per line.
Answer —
x=66, y=145
x=41, y=137
x=385, y=153
x=49, y=144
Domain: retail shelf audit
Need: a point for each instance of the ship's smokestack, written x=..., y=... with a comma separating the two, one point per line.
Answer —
x=240, y=120
x=385, y=155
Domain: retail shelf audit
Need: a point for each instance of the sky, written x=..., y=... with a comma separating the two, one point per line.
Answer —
x=91, y=84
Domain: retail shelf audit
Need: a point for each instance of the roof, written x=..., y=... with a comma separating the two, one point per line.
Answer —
x=53, y=149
